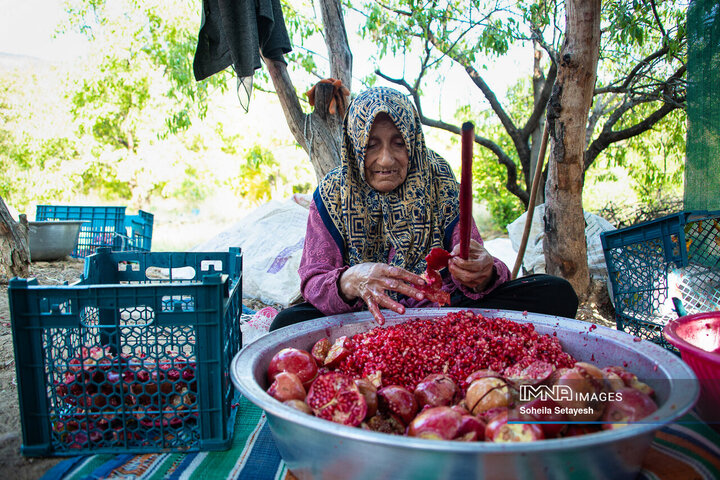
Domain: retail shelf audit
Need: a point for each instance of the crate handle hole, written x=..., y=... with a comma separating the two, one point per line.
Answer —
x=211, y=266
x=132, y=264
x=163, y=273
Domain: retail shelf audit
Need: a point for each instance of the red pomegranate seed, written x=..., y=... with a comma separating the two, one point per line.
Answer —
x=456, y=344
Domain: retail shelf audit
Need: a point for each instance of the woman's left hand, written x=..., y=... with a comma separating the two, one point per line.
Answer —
x=476, y=271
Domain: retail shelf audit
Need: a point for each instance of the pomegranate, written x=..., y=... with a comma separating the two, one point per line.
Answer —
x=500, y=431
x=369, y=391
x=397, y=402
x=296, y=361
x=631, y=406
x=486, y=393
x=287, y=386
x=630, y=379
x=545, y=410
x=436, y=423
x=384, y=424
x=335, y=397
x=535, y=373
x=471, y=429
x=320, y=350
x=584, y=400
x=482, y=373
x=338, y=352
x=437, y=259
x=298, y=405
x=435, y=390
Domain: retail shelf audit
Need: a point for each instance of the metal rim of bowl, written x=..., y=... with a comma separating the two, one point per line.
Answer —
x=679, y=402
x=672, y=335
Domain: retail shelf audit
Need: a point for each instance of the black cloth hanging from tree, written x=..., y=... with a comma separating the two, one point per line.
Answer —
x=233, y=32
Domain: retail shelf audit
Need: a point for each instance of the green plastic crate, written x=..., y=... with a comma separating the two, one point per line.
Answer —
x=134, y=358
x=651, y=262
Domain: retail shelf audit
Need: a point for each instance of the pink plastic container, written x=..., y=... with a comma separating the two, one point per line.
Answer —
x=697, y=337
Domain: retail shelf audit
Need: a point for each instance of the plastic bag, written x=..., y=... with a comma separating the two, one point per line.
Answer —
x=272, y=238
x=534, y=259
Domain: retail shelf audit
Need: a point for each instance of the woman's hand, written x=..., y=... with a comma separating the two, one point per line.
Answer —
x=371, y=282
x=476, y=271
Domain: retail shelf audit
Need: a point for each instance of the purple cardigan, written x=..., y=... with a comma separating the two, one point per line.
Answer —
x=322, y=264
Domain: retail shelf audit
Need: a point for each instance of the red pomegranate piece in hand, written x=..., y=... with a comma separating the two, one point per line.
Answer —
x=436, y=260
x=335, y=397
x=296, y=361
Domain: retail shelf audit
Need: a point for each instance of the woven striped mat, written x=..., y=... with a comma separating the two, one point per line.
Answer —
x=688, y=450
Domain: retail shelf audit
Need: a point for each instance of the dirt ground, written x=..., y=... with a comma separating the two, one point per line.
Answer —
x=595, y=308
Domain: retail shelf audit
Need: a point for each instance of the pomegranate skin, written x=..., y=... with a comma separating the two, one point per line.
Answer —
x=287, y=386
x=583, y=385
x=335, y=397
x=544, y=410
x=298, y=405
x=498, y=430
x=320, y=350
x=337, y=352
x=436, y=390
x=535, y=373
x=486, y=393
x=634, y=406
x=369, y=391
x=296, y=361
x=398, y=402
x=472, y=429
x=437, y=423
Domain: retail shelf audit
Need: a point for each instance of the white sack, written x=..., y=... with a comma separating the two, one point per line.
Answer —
x=534, y=260
x=272, y=238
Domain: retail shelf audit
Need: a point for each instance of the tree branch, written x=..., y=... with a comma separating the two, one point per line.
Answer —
x=541, y=104
x=502, y=157
x=608, y=136
x=645, y=62
x=336, y=41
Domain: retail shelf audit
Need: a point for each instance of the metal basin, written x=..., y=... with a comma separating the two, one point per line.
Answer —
x=52, y=240
x=315, y=448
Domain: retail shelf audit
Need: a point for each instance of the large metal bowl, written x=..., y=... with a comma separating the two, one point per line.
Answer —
x=316, y=448
x=52, y=239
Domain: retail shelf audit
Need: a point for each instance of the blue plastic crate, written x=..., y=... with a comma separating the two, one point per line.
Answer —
x=139, y=229
x=104, y=227
x=651, y=262
x=134, y=358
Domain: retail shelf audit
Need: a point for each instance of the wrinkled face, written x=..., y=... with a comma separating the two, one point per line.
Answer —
x=386, y=157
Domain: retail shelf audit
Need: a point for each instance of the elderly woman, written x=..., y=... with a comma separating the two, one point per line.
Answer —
x=374, y=219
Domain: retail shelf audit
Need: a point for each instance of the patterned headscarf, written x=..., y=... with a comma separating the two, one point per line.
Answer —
x=415, y=217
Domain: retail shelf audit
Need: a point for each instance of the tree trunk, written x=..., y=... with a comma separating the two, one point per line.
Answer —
x=565, y=247
x=14, y=250
x=319, y=133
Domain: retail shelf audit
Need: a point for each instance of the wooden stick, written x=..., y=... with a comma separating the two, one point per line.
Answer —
x=467, y=137
x=531, y=203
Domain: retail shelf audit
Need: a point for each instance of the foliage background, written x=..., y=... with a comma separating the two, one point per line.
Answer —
x=126, y=124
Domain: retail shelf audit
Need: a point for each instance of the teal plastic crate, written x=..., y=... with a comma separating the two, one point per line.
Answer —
x=134, y=358
x=650, y=263
x=103, y=227
x=139, y=228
